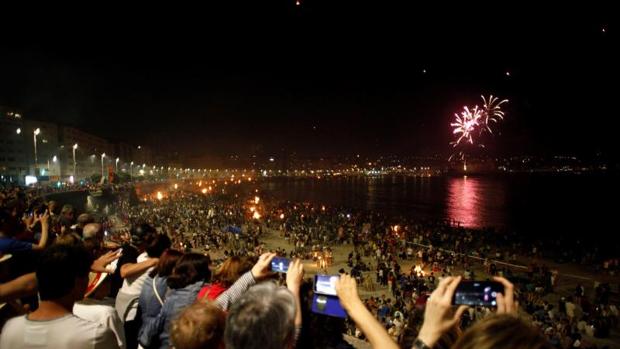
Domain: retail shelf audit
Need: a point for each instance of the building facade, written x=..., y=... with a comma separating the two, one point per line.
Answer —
x=55, y=152
x=89, y=153
x=14, y=162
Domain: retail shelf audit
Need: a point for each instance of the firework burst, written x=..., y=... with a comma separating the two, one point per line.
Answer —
x=492, y=107
x=465, y=124
x=475, y=119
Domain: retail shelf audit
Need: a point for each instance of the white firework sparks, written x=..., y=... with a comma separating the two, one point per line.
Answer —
x=492, y=107
x=465, y=124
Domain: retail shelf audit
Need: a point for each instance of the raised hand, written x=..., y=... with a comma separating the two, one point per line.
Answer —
x=262, y=268
x=439, y=316
x=295, y=275
x=506, y=303
x=346, y=289
x=44, y=218
x=101, y=263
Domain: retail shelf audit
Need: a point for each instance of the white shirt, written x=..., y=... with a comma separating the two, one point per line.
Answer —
x=103, y=313
x=68, y=332
x=132, y=287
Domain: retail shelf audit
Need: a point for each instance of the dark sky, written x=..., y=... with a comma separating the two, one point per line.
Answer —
x=327, y=77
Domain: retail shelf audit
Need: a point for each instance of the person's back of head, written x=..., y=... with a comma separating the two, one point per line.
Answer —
x=92, y=231
x=502, y=332
x=69, y=238
x=92, y=237
x=262, y=318
x=190, y=268
x=199, y=326
x=157, y=244
x=68, y=211
x=84, y=219
x=142, y=235
x=62, y=271
x=231, y=270
x=52, y=206
x=166, y=263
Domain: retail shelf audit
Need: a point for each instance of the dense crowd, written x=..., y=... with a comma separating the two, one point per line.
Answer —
x=192, y=271
x=435, y=250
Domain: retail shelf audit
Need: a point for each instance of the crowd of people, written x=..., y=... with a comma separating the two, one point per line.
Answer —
x=435, y=250
x=192, y=271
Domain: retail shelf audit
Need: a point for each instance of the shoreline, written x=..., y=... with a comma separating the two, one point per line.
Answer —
x=566, y=284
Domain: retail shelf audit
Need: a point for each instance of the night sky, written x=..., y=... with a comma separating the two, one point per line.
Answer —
x=323, y=78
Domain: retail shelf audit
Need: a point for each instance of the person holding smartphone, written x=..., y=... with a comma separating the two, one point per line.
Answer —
x=440, y=317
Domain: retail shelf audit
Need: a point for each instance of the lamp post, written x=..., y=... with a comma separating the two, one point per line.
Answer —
x=75, y=146
x=116, y=165
x=36, y=162
x=102, y=172
x=54, y=161
x=131, y=170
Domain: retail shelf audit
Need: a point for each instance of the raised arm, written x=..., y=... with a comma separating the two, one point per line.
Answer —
x=259, y=271
x=346, y=288
x=24, y=285
x=131, y=269
x=45, y=227
x=294, y=278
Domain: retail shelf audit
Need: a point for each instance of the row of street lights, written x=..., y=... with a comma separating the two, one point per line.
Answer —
x=37, y=131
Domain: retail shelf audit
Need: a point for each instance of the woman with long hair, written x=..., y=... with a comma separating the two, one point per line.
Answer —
x=189, y=275
x=155, y=287
x=225, y=276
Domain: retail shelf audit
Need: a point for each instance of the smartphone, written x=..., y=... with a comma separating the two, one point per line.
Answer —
x=477, y=293
x=325, y=284
x=280, y=264
x=327, y=305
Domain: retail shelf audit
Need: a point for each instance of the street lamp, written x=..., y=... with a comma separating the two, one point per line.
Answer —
x=102, y=172
x=18, y=131
x=75, y=146
x=36, y=132
x=54, y=160
x=131, y=170
x=116, y=165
